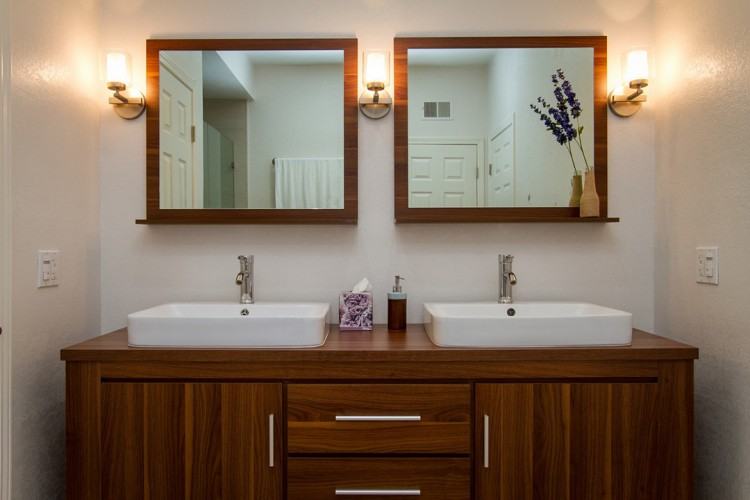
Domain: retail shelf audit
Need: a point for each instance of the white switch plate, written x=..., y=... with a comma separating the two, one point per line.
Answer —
x=47, y=271
x=707, y=265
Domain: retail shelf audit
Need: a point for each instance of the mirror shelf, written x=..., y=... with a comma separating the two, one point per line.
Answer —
x=251, y=131
x=469, y=145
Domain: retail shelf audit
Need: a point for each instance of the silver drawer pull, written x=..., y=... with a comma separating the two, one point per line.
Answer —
x=372, y=493
x=378, y=418
x=486, y=441
x=271, y=432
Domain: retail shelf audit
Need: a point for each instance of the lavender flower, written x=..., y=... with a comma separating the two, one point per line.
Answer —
x=558, y=119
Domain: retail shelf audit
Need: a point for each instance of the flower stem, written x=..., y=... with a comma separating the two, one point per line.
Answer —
x=579, y=141
x=570, y=152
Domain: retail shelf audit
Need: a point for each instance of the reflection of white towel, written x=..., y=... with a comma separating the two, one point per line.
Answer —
x=309, y=183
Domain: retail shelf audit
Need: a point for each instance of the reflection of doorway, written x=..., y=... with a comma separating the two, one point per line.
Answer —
x=218, y=169
x=501, y=173
x=443, y=173
x=176, y=129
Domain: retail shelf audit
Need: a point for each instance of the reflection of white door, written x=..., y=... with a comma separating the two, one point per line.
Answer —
x=501, y=174
x=442, y=175
x=175, y=141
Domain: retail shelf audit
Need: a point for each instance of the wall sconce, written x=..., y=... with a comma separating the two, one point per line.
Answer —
x=624, y=103
x=375, y=102
x=131, y=104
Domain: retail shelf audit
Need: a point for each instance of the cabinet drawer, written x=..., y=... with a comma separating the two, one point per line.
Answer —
x=378, y=418
x=378, y=478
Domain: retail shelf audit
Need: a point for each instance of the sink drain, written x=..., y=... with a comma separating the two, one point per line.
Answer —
x=245, y=312
x=511, y=311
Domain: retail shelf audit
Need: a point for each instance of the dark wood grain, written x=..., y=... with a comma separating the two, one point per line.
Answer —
x=404, y=214
x=591, y=441
x=192, y=441
x=163, y=441
x=445, y=411
x=675, y=431
x=347, y=215
x=351, y=348
x=82, y=431
x=437, y=478
x=122, y=442
x=581, y=441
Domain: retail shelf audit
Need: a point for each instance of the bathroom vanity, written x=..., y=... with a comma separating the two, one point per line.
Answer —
x=380, y=415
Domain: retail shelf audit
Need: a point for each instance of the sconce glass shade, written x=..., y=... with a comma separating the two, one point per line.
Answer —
x=376, y=68
x=626, y=103
x=128, y=103
x=118, y=68
x=636, y=66
x=375, y=103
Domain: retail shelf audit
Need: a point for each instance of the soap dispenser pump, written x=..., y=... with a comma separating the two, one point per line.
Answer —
x=397, y=307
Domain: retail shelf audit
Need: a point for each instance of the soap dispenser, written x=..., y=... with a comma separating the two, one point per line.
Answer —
x=397, y=307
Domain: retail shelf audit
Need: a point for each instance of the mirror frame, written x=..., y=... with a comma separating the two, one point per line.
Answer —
x=404, y=214
x=347, y=215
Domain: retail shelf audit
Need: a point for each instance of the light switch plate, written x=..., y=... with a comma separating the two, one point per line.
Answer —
x=707, y=265
x=47, y=271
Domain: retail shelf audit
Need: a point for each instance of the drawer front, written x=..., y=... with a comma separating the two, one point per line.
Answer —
x=378, y=418
x=378, y=478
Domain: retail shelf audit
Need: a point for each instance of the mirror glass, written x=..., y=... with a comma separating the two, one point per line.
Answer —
x=499, y=127
x=251, y=129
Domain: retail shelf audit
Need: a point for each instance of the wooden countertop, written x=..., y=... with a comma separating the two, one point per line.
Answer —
x=378, y=345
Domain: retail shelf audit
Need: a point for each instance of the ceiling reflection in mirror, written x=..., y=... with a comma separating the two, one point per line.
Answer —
x=508, y=127
x=251, y=129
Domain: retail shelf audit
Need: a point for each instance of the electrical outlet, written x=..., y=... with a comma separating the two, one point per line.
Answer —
x=707, y=265
x=47, y=272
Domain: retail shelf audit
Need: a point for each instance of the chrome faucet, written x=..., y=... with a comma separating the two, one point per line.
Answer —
x=507, y=279
x=246, y=279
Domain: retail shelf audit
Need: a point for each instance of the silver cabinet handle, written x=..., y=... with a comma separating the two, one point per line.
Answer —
x=378, y=418
x=382, y=493
x=271, y=447
x=486, y=441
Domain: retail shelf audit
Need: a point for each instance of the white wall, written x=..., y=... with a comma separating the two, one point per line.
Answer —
x=702, y=105
x=56, y=96
x=296, y=113
x=610, y=264
x=543, y=167
x=464, y=86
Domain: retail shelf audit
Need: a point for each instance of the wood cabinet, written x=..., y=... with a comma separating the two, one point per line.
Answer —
x=191, y=440
x=379, y=418
x=381, y=415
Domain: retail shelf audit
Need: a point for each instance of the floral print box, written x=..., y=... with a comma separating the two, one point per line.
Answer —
x=355, y=311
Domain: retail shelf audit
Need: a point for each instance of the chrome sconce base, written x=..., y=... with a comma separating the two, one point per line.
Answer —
x=375, y=103
x=129, y=106
x=626, y=105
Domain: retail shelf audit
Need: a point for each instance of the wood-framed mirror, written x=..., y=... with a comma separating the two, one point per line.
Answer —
x=469, y=145
x=251, y=131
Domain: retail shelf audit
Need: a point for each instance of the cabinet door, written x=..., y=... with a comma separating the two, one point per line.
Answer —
x=192, y=441
x=553, y=441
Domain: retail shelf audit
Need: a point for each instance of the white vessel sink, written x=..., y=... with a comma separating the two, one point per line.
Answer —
x=530, y=324
x=230, y=325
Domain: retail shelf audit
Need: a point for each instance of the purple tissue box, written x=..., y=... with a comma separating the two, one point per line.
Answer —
x=355, y=311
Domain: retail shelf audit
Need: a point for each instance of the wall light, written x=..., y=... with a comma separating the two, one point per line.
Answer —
x=624, y=103
x=128, y=103
x=375, y=102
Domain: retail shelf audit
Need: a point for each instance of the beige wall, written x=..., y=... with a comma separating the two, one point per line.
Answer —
x=703, y=198
x=143, y=266
x=54, y=138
